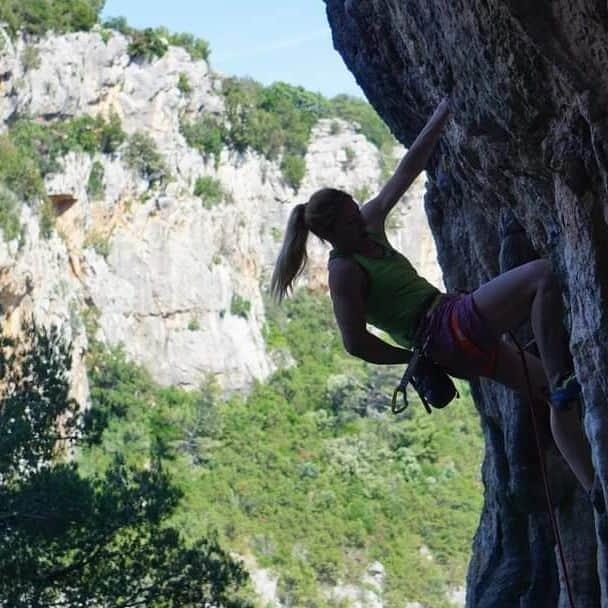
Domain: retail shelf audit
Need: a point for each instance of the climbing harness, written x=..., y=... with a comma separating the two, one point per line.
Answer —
x=430, y=381
x=544, y=473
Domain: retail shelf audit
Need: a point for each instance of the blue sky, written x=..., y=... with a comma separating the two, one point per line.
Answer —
x=269, y=40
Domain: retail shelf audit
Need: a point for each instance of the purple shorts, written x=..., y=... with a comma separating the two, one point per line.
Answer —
x=460, y=340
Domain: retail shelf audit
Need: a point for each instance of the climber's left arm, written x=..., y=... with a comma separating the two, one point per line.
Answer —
x=413, y=163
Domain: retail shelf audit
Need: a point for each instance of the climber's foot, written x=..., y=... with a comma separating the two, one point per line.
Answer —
x=566, y=394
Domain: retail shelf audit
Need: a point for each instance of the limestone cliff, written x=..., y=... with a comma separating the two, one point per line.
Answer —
x=529, y=134
x=164, y=278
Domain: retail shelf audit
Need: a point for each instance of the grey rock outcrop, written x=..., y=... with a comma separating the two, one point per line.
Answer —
x=160, y=270
x=529, y=88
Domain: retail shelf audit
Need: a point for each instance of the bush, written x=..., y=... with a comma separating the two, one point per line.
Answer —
x=75, y=15
x=111, y=135
x=45, y=144
x=362, y=194
x=183, y=84
x=209, y=190
x=205, y=134
x=349, y=163
x=36, y=17
x=142, y=155
x=293, y=169
x=30, y=58
x=99, y=243
x=239, y=306
x=95, y=188
x=18, y=171
x=196, y=47
x=369, y=123
x=10, y=223
x=119, y=24
x=194, y=324
x=47, y=219
x=147, y=45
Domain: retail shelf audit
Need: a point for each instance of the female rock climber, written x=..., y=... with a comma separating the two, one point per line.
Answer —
x=370, y=282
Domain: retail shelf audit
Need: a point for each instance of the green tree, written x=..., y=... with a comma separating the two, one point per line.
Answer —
x=362, y=113
x=293, y=169
x=119, y=24
x=209, y=190
x=142, y=155
x=95, y=187
x=36, y=17
x=72, y=540
x=147, y=45
x=9, y=214
x=197, y=47
x=18, y=171
x=205, y=134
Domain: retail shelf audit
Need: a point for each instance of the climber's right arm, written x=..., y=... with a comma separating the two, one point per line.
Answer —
x=410, y=166
x=346, y=289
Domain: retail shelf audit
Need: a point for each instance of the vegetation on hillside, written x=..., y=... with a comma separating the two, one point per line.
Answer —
x=152, y=42
x=310, y=473
x=276, y=121
x=37, y=17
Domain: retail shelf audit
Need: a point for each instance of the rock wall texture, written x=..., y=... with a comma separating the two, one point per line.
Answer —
x=172, y=267
x=528, y=138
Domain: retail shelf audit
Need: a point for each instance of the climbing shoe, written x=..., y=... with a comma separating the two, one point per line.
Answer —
x=564, y=396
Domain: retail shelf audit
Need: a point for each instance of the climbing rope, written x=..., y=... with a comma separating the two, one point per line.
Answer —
x=544, y=473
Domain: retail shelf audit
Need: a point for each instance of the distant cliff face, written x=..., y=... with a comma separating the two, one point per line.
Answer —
x=179, y=284
x=530, y=86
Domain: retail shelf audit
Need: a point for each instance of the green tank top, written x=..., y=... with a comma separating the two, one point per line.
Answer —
x=398, y=296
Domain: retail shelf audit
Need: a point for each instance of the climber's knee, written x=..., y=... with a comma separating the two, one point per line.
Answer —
x=545, y=277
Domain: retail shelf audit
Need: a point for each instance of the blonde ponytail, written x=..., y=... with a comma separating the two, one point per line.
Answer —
x=317, y=216
x=292, y=258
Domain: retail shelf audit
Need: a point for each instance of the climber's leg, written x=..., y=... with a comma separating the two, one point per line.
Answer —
x=530, y=290
x=565, y=424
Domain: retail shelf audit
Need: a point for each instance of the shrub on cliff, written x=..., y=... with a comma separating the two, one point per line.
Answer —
x=147, y=44
x=205, y=134
x=277, y=121
x=369, y=123
x=10, y=223
x=95, y=187
x=37, y=17
x=198, y=48
x=270, y=119
x=47, y=143
x=293, y=169
x=142, y=155
x=209, y=190
x=18, y=171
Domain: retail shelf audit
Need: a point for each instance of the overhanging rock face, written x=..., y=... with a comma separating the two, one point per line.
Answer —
x=529, y=138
